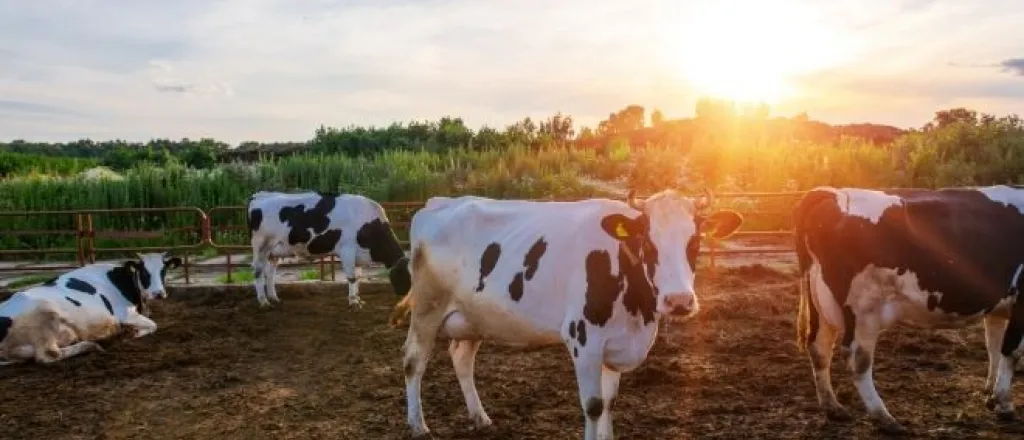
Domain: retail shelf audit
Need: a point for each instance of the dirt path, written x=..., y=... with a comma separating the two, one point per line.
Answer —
x=219, y=368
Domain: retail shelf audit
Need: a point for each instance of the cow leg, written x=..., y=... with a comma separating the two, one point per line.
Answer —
x=463, y=355
x=861, y=361
x=1000, y=400
x=49, y=356
x=260, y=256
x=995, y=327
x=609, y=390
x=270, y=274
x=348, y=265
x=141, y=325
x=589, y=377
x=820, y=351
x=418, y=347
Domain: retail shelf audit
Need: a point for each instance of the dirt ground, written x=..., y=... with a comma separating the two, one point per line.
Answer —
x=219, y=368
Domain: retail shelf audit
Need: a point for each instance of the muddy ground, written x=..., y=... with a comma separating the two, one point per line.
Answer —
x=219, y=368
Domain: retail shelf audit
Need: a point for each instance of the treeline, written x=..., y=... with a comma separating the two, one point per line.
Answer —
x=630, y=126
x=12, y=163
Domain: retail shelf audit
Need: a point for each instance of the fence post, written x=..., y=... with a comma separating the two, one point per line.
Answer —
x=90, y=238
x=185, y=263
x=79, y=252
x=227, y=256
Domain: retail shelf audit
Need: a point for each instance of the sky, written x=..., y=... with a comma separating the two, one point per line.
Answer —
x=274, y=70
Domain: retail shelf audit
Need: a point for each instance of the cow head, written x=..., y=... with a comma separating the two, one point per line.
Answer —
x=151, y=270
x=658, y=252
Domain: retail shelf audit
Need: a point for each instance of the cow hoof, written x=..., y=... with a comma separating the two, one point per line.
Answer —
x=1006, y=415
x=97, y=348
x=357, y=304
x=892, y=427
x=838, y=413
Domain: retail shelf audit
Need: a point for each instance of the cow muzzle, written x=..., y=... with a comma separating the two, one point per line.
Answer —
x=679, y=305
x=158, y=294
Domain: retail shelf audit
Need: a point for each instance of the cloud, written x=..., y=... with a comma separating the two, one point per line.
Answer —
x=164, y=79
x=1013, y=65
x=34, y=108
x=275, y=69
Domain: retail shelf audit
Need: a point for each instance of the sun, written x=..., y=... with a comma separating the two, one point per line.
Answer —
x=749, y=50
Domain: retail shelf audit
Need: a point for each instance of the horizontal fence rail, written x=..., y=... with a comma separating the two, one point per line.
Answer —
x=193, y=233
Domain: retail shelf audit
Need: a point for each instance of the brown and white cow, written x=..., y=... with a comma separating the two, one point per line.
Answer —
x=944, y=258
x=594, y=275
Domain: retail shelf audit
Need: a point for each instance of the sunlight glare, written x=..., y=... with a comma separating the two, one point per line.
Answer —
x=749, y=50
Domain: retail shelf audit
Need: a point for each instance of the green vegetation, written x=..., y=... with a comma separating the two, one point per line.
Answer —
x=238, y=276
x=724, y=148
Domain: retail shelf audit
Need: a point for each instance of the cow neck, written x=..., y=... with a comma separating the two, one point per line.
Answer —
x=127, y=283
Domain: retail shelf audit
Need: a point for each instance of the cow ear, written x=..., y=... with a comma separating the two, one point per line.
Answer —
x=621, y=227
x=721, y=224
x=173, y=262
x=131, y=265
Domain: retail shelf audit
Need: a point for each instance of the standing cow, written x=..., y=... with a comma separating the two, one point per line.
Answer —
x=86, y=304
x=311, y=224
x=925, y=258
x=594, y=275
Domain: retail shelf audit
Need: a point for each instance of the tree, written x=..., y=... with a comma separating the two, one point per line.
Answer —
x=657, y=118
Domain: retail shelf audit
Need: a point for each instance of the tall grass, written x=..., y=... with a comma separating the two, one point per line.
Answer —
x=389, y=176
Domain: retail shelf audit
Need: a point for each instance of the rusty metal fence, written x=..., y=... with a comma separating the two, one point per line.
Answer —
x=214, y=230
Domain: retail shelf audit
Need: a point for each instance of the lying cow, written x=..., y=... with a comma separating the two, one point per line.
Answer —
x=925, y=258
x=311, y=224
x=46, y=333
x=92, y=296
x=594, y=275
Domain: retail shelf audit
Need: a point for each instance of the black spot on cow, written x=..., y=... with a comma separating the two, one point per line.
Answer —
x=488, y=260
x=106, y=303
x=380, y=239
x=324, y=243
x=640, y=298
x=81, y=286
x=123, y=278
x=602, y=288
x=572, y=330
x=301, y=221
x=575, y=352
x=401, y=280
x=515, y=288
x=595, y=407
x=5, y=326
x=581, y=332
x=73, y=301
x=255, y=219
x=532, y=259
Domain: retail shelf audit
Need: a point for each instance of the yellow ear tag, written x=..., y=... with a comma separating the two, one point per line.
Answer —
x=620, y=230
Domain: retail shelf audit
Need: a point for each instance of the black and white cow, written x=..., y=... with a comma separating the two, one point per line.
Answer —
x=594, y=275
x=311, y=224
x=91, y=297
x=944, y=258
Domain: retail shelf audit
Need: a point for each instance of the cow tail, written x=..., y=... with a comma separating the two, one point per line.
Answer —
x=403, y=269
x=805, y=328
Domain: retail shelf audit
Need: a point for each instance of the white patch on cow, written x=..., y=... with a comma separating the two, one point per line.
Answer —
x=865, y=203
x=895, y=298
x=1006, y=195
x=823, y=297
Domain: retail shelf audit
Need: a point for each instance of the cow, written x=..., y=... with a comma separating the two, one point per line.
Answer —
x=931, y=259
x=47, y=334
x=92, y=297
x=313, y=224
x=595, y=275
